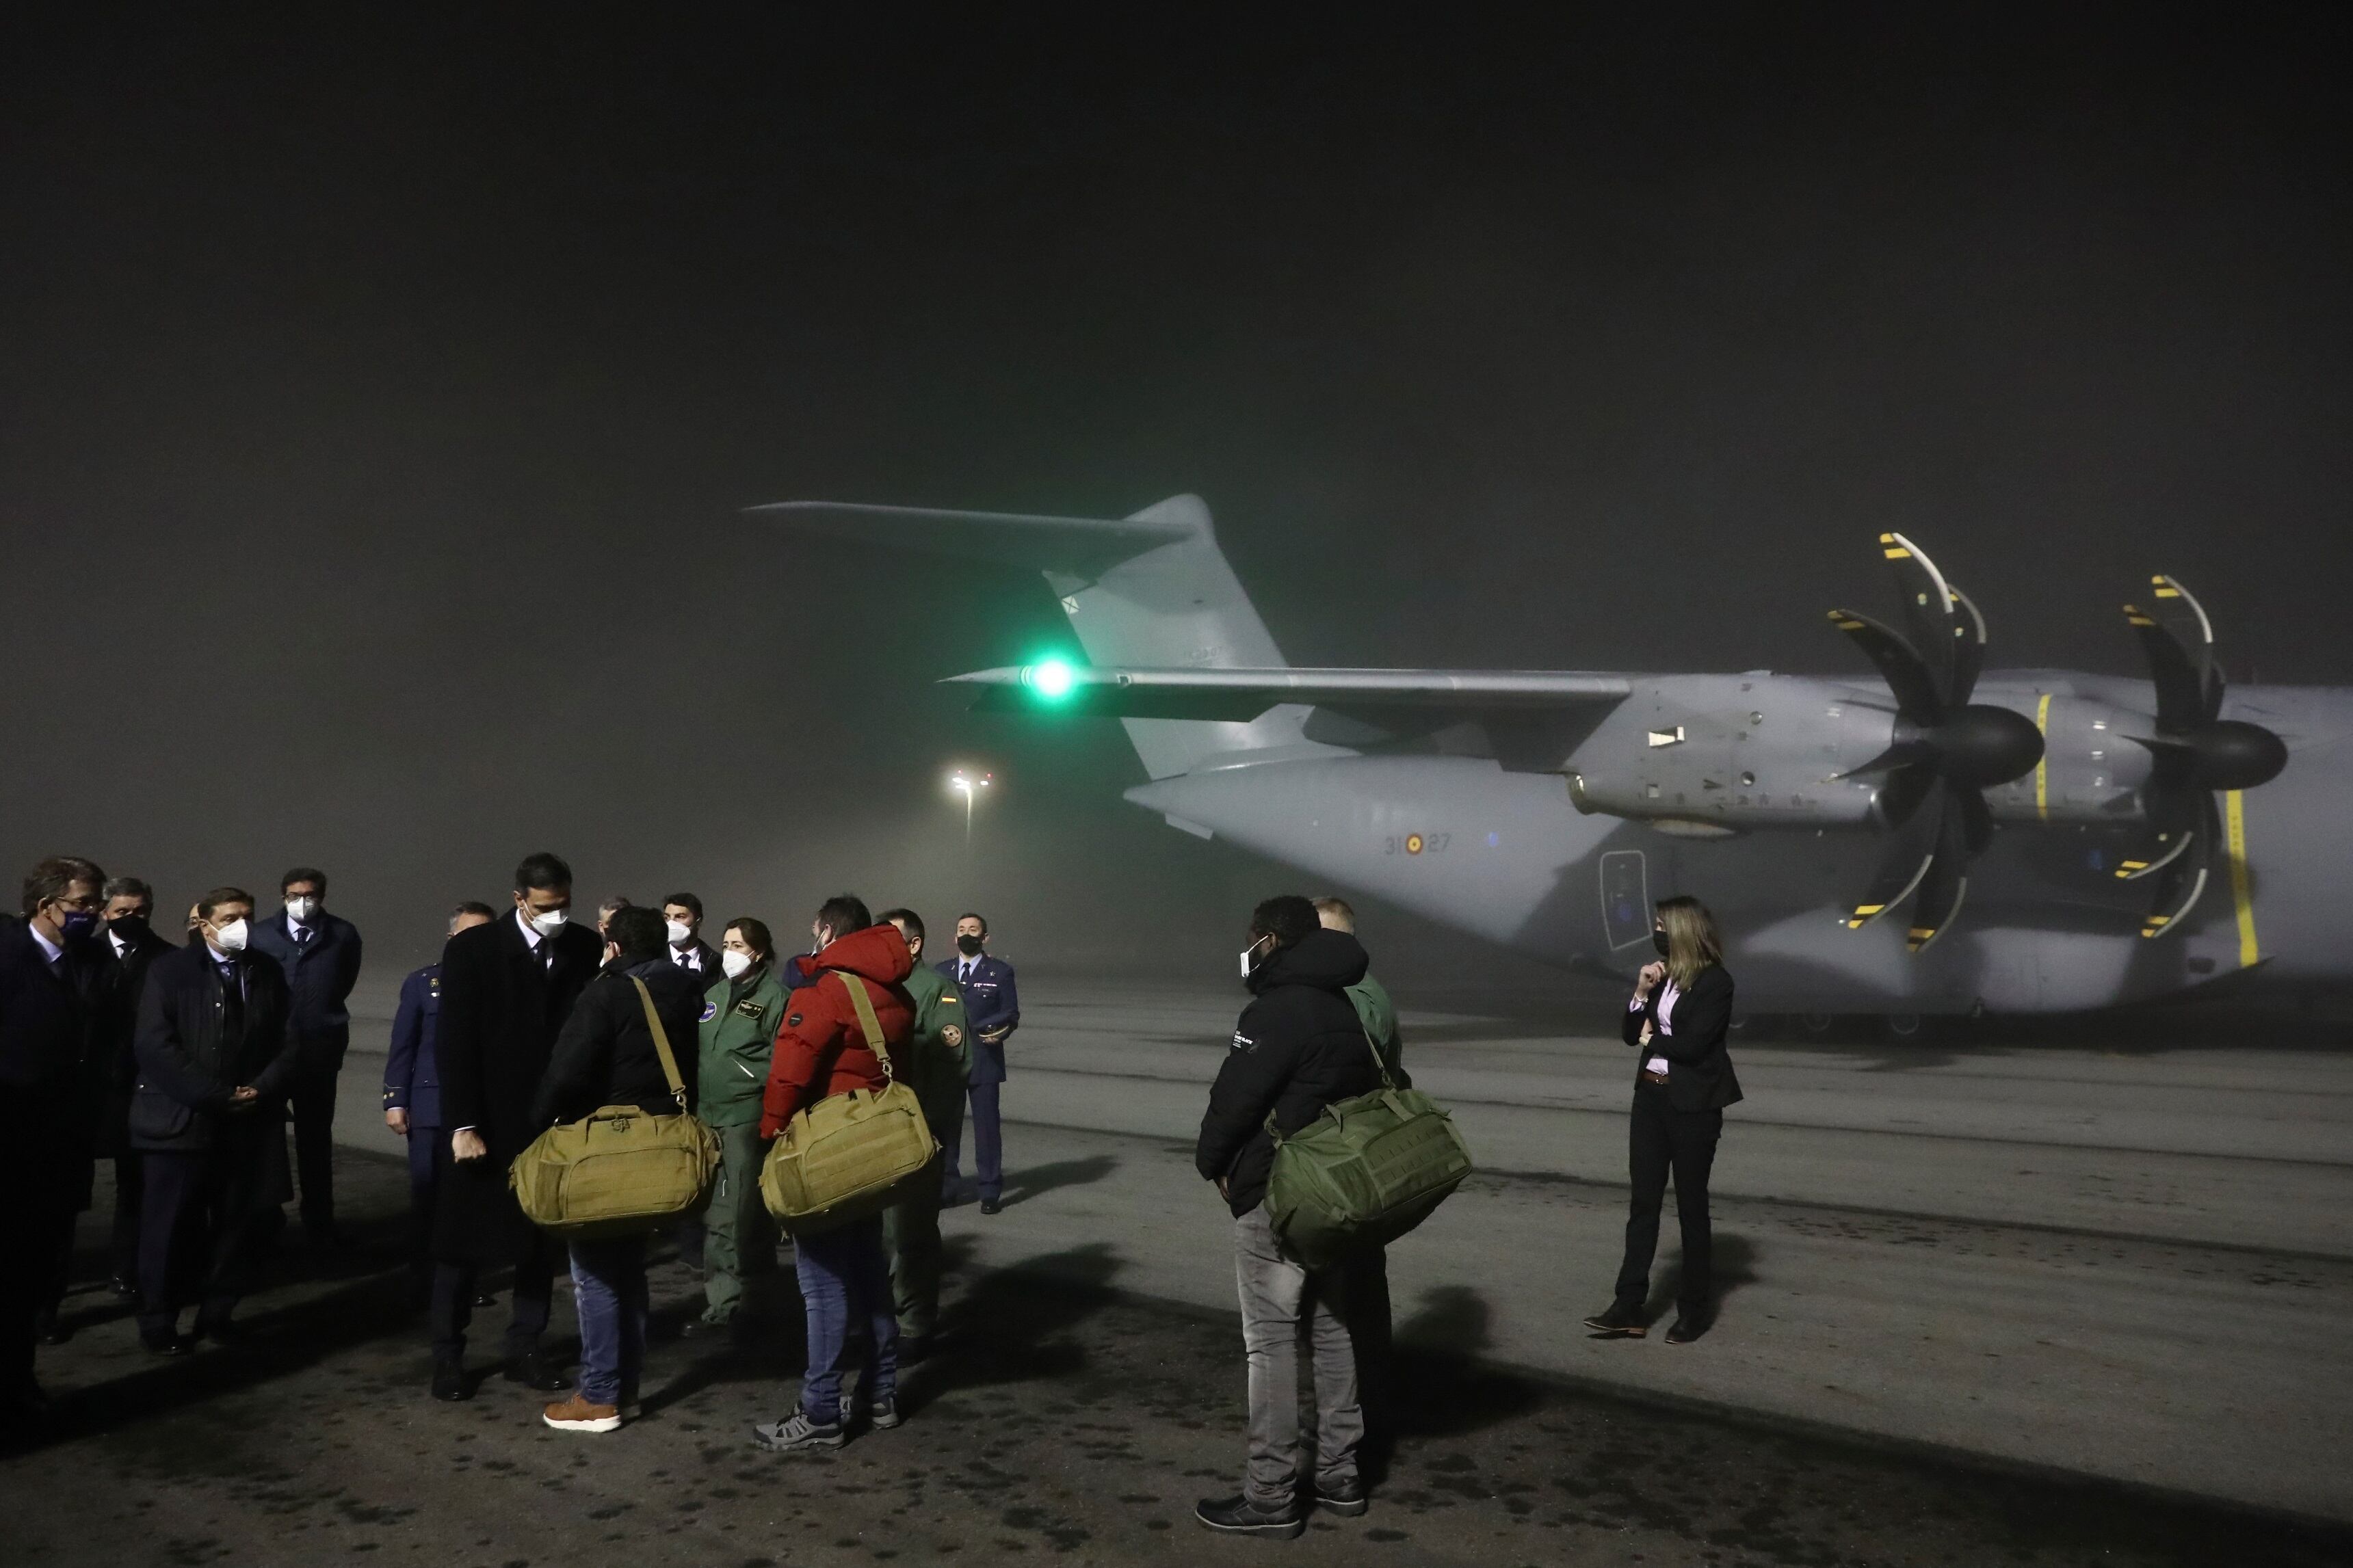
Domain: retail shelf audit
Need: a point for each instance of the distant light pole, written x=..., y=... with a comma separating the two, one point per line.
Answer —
x=966, y=784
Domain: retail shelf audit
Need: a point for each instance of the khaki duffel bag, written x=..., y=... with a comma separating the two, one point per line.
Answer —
x=618, y=1171
x=849, y=1155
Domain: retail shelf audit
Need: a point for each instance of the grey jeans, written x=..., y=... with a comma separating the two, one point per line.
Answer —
x=1276, y=1294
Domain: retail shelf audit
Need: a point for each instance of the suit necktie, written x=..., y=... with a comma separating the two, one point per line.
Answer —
x=232, y=1003
x=301, y=936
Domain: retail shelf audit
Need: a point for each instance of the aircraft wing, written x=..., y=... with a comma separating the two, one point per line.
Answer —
x=1373, y=696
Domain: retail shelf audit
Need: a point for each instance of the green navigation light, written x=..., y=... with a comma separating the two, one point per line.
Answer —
x=1051, y=680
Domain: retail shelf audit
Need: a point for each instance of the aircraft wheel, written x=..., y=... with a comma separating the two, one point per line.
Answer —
x=1816, y=1025
x=1903, y=1025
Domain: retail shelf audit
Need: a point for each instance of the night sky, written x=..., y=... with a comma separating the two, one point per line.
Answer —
x=378, y=392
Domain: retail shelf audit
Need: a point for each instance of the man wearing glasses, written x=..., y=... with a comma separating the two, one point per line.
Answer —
x=53, y=1001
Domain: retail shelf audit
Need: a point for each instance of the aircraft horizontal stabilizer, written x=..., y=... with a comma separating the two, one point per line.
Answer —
x=1244, y=694
x=1078, y=547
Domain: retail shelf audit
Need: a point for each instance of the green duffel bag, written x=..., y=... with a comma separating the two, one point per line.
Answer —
x=619, y=1171
x=849, y=1156
x=1363, y=1173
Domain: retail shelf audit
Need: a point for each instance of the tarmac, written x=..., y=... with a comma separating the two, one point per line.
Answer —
x=2046, y=1303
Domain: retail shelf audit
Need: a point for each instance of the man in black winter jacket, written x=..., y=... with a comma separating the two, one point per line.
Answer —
x=1298, y=1049
x=606, y=1056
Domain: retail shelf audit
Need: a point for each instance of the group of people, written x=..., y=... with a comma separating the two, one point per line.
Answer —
x=186, y=1061
x=181, y=1062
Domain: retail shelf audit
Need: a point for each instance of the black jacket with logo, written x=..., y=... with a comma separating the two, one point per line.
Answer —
x=1298, y=1049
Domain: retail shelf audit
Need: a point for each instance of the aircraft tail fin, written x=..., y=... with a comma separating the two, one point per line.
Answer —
x=1152, y=588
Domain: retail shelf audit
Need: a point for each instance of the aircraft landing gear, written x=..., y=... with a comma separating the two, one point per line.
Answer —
x=1903, y=1025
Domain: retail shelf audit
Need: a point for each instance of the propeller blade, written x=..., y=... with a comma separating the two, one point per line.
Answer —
x=1911, y=847
x=2179, y=642
x=1903, y=753
x=2175, y=814
x=1947, y=881
x=1977, y=823
x=1929, y=609
x=1917, y=689
x=1968, y=648
x=2181, y=879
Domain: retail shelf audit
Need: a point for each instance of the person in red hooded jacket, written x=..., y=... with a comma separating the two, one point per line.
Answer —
x=822, y=1050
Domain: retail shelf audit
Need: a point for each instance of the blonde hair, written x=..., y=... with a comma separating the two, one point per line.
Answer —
x=1335, y=914
x=1691, y=941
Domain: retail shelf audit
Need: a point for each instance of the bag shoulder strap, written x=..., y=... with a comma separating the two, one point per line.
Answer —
x=1379, y=1066
x=661, y=1042
x=867, y=1020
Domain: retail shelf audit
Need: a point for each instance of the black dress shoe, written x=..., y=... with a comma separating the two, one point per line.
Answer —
x=535, y=1371
x=1240, y=1515
x=222, y=1331
x=1687, y=1327
x=1345, y=1498
x=1623, y=1321
x=166, y=1344
x=484, y=1299
x=122, y=1290
x=991, y=1206
x=450, y=1382
x=48, y=1331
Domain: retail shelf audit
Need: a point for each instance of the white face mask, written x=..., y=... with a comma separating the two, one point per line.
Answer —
x=304, y=910
x=549, y=923
x=1249, y=953
x=230, y=938
x=680, y=932
x=735, y=963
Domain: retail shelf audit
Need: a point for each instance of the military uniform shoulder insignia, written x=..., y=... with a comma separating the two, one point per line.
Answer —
x=709, y=1010
x=755, y=1011
x=951, y=1036
x=950, y=999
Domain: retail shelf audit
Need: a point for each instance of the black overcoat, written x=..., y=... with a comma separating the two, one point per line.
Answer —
x=501, y=1007
x=188, y=1065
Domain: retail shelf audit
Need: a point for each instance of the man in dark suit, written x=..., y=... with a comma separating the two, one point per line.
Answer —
x=683, y=922
x=133, y=943
x=320, y=956
x=992, y=1012
x=217, y=1052
x=412, y=1096
x=506, y=989
x=46, y=1020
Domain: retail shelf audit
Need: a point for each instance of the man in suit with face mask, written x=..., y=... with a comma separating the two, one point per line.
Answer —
x=506, y=989
x=320, y=956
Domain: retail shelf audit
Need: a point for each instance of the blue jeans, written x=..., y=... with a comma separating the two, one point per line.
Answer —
x=844, y=1273
x=608, y=1293
x=988, y=1144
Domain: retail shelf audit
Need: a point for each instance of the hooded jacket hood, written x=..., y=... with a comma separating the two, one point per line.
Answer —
x=1327, y=960
x=878, y=953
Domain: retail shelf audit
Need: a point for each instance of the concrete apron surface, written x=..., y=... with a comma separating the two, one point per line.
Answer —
x=2130, y=1266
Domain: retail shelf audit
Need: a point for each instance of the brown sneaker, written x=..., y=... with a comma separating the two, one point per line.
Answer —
x=577, y=1414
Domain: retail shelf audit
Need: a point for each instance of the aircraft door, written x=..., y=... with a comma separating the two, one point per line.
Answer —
x=1625, y=898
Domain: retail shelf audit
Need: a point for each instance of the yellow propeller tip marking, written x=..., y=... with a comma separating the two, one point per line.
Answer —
x=1898, y=554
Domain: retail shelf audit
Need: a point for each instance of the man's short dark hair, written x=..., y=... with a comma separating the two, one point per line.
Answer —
x=303, y=874
x=902, y=917
x=844, y=914
x=686, y=901
x=638, y=932
x=1288, y=918
x=54, y=875
x=755, y=934
x=126, y=887
x=219, y=896
x=542, y=871
x=474, y=907
x=618, y=901
x=971, y=915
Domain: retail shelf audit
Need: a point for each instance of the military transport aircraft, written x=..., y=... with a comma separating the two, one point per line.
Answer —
x=1942, y=839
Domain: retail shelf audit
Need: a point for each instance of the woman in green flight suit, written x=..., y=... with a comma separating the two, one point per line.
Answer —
x=740, y=1017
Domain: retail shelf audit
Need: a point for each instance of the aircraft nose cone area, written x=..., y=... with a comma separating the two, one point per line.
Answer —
x=1981, y=746
x=2232, y=754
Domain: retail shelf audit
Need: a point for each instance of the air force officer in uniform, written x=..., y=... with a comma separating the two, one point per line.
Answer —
x=992, y=1012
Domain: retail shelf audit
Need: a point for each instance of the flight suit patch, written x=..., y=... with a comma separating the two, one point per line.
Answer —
x=951, y=1036
x=752, y=1010
x=709, y=1010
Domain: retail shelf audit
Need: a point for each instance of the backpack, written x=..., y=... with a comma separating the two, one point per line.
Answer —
x=1364, y=1172
x=851, y=1155
x=618, y=1171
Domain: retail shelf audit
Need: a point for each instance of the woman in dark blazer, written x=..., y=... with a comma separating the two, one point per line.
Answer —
x=1676, y=1021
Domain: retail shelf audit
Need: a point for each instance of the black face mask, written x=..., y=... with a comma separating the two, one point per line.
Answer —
x=969, y=946
x=129, y=928
x=1658, y=941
